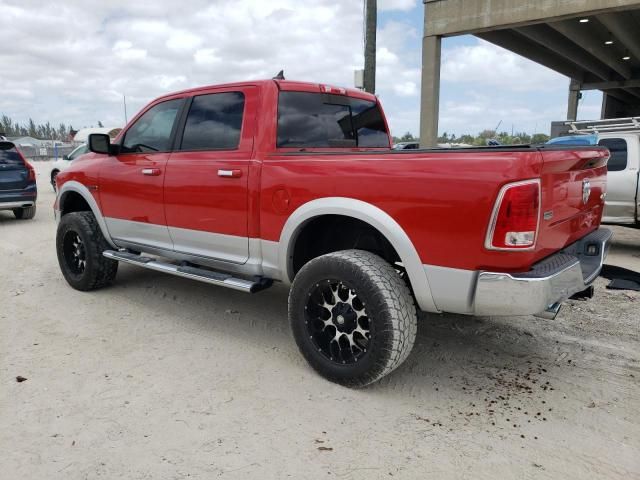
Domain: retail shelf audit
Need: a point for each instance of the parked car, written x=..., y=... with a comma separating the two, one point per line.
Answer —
x=244, y=184
x=406, y=146
x=18, y=191
x=622, y=137
x=65, y=161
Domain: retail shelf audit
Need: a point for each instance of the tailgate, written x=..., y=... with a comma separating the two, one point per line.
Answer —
x=14, y=174
x=573, y=190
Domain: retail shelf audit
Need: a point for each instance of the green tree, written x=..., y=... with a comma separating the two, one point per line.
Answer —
x=32, y=129
x=408, y=137
x=538, y=138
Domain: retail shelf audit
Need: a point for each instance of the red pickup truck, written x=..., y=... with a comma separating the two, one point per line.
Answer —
x=243, y=184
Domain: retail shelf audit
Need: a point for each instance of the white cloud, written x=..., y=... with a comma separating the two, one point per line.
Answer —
x=472, y=115
x=183, y=41
x=206, y=56
x=124, y=50
x=386, y=57
x=396, y=4
x=406, y=89
x=78, y=73
x=396, y=36
x=488, y=66
x=398, y=74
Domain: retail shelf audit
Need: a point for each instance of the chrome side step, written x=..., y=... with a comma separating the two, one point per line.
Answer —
x=192, y=272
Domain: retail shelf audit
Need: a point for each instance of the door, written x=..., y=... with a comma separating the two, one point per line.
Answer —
x=622, y=179
x=131, y=182
x=206, y=185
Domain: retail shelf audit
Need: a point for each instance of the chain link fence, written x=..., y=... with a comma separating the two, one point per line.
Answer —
x=45, y=153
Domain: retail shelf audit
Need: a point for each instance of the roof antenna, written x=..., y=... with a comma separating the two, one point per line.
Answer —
x=279, y=76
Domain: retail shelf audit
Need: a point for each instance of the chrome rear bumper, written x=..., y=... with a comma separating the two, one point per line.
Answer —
x=548, y=283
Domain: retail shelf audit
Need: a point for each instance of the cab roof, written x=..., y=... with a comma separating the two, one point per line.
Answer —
x=285, y=85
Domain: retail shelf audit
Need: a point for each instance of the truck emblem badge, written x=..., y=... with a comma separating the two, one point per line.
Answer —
x=586, y=191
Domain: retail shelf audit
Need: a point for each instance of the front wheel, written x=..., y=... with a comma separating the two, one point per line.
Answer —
x=352, y=316
x=79, y=245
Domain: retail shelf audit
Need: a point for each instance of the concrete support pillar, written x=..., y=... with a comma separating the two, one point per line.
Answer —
x=605, y=102
x=430, y=101
x=574, y=97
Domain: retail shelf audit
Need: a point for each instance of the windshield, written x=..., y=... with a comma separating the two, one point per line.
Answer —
x=81, y=150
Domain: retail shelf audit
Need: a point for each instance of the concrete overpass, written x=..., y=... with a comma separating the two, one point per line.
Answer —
x=596, y=43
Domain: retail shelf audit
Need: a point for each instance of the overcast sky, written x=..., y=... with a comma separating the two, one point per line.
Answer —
x=72, y=61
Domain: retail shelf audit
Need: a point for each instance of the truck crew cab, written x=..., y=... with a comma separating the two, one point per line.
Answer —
x=240, y=185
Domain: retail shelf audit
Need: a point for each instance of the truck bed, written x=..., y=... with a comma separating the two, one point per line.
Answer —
x=443, y=198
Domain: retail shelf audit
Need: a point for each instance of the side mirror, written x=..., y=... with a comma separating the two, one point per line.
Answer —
x=99, y=143
x=65, y=157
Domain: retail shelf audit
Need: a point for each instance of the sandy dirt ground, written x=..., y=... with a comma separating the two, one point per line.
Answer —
x=158, y=377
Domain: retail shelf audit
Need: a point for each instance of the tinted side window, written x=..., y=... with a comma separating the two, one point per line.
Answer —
x=214, y=122
x=9, y=155
x=152, y=131
x=618, y=149
x=320, y=121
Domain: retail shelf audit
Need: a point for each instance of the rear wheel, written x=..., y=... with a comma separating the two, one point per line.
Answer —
x=79, y=245
x=54, y=174
x=353, y=317
x=25, y=213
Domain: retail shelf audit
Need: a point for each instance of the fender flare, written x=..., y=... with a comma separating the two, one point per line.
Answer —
x=370, y=214
x=77, y=187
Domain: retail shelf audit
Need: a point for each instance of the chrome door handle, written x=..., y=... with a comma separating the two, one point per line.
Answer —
x=153, y=172
x=230, y=173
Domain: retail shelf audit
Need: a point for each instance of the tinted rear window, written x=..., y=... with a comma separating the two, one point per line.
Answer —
x=9, y=155
x=214, y=122
x=316, y=120
x=618, y=149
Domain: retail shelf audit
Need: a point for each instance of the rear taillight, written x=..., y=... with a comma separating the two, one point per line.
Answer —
x=32, y=172
x=514, y=223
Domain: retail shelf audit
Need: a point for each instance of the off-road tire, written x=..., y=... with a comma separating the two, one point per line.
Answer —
x=25, y=213
x=54, y=174
x=390, y=309
x=98, y=271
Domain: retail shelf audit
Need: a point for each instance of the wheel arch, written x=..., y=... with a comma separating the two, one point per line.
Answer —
x=69, y=198
x=369, y=214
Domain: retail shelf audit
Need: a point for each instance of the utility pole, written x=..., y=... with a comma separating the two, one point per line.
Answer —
x=124, y=102
x=371, y=20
